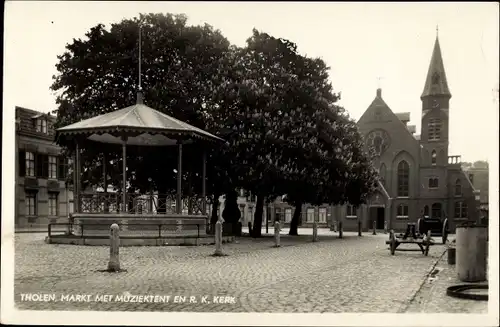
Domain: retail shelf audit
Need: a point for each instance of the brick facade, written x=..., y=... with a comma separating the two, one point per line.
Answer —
x=41, y=193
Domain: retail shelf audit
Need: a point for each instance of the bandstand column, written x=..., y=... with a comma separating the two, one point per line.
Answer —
x=178, y=203
x=105, y=181
x=76, y=181
x=204, y=184
x=124, y=180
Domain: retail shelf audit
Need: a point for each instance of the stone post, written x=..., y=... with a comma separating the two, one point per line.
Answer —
x=340, y=229
x=374, y=227
x=359, y=228
x=315, y=231
x=277, y=229
x=218, y=238
x=114, y=248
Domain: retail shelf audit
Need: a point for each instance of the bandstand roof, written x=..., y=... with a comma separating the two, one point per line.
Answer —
x=141, y=124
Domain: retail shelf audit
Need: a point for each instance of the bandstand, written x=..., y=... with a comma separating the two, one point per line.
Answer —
x=144, y=219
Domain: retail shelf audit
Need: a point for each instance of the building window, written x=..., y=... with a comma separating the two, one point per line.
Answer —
x=402, y=211
x=288, y=215
x=322, y=215
x=471, y=178
x=52, y=204
x=41, y=126
x=458, y=187
x=52, y=167
x=460, y=209
x=436, y=210
x=433, y=182
x=433, y=157
x=426, y=211
x=351, y=211
x=310, y=215
x=30, y=164
x=434, y=129
x=403, y=179
x=30, y=204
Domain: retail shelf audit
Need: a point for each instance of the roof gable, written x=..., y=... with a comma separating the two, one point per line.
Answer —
x=379, y=112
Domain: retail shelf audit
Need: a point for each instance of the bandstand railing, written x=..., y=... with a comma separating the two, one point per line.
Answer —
x=101, y=202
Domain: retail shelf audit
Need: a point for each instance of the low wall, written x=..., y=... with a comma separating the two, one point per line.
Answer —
x=139, y=225
x=146, y=241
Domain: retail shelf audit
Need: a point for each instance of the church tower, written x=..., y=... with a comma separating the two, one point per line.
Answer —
x=435, y=109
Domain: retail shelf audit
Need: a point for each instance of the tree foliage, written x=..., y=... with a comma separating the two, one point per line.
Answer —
x=275, y=108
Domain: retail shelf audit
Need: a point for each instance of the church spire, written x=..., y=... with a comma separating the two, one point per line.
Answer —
x=436, y=83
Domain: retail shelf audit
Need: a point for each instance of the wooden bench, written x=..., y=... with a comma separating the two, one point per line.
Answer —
x=423, y=243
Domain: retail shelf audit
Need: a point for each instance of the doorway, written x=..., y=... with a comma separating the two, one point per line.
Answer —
x=377, y=214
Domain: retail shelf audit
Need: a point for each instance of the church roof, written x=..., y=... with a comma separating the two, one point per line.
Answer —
x=436, y=82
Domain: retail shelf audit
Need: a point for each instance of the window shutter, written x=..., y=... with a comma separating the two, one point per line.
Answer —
x=22, y=163
x=61, y=173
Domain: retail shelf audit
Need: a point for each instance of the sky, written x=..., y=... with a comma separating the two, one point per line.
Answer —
x=367, y=45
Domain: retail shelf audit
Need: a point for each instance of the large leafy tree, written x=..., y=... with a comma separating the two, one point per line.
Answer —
x=181, y=65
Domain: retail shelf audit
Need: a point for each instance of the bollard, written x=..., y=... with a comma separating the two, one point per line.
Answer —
x=374, y=227
x=471, y=253
x=277, y=230
x=114, y=248
x=340, y=229
x=359, y=229
x=218, y=238
x=315, y=232
x=250, y=228
x=385, y=227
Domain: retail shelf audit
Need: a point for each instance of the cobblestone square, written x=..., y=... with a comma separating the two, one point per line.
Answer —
x=353, y=274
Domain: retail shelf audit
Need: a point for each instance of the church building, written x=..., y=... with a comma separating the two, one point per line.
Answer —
x=418, y=175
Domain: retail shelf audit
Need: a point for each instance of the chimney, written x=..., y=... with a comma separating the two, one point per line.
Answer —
x=379, y=93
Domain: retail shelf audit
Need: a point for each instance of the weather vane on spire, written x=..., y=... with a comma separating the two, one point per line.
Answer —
x=437, y=30
x=379, y=82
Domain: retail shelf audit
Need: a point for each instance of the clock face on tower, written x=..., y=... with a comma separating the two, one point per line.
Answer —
x=378, y=140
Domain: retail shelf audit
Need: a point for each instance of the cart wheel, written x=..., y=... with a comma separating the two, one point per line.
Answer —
x=427, y=242
x=392, y=238
x=445, y=231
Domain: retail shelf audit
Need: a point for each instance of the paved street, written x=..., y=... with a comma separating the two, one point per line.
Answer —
x=334, y=275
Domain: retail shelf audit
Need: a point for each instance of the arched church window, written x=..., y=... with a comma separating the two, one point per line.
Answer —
x=434, y=129
x=433, y=182
x=436, y=210
x=433, y=157
x=403, y=178
x=458, y=187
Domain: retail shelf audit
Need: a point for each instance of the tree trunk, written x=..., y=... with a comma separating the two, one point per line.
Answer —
x=294, y=224
x=257, y=219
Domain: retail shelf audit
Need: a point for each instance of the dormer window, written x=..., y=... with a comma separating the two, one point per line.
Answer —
x=41, y=125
